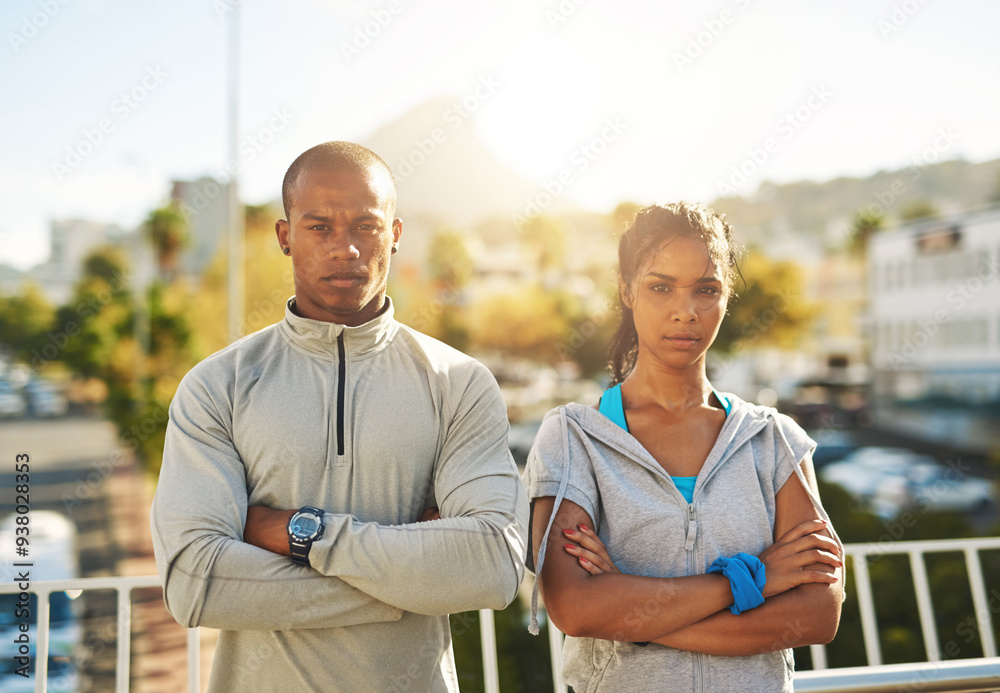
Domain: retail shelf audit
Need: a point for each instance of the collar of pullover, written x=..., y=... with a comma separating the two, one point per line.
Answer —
x=320, y=338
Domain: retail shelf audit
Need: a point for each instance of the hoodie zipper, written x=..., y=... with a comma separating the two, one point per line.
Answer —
x=342, y=376
x=692, y=533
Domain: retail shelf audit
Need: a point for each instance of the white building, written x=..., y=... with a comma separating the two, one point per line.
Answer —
x=934, y=322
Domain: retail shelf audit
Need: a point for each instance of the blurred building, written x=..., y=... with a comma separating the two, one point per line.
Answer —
x=71, y=241
x=205, y=206
x=934, y=324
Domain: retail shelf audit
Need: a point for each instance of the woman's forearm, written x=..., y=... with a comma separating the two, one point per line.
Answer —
x=805, y=615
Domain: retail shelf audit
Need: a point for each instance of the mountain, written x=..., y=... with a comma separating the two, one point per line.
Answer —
x=444, y=173
x=822, y=212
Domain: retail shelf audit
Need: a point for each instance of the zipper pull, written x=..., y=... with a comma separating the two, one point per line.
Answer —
x=692, y=529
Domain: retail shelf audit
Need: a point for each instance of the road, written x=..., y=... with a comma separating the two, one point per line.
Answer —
x=79, y=470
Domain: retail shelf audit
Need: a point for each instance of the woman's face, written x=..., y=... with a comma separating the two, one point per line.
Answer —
x=678, y=301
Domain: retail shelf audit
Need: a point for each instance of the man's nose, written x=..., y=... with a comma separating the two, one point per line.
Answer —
x=341, y=246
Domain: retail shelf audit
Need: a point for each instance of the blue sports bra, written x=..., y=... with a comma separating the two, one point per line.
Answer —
x=612, y=407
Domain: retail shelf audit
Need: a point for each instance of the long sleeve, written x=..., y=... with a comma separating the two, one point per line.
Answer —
x=210, y=576
x=473, y=557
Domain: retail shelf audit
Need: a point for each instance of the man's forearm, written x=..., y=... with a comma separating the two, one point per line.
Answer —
x=448, y=565
x=223, y=583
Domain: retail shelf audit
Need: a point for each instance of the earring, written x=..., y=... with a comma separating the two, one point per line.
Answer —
x=286, y=250
x=394, y=249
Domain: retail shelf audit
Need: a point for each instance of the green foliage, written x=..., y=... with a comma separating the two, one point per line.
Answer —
x=522, y=659
x=900, y=632
x=167, y=230
x=865, y=224
x=769, y=309
x=25, y=320
x=546, y=239
x=918, y=209
x=448, y=259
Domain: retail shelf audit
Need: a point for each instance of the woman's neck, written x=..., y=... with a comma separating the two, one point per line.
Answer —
x=673, y=390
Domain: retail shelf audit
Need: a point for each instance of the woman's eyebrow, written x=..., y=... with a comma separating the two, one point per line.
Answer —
x=668, y=278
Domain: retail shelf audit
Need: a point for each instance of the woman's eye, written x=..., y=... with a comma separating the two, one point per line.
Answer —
x=710, y=290
x=659, y=288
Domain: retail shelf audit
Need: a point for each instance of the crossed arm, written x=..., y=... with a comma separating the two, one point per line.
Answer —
x=209, y=541
x=587, y=596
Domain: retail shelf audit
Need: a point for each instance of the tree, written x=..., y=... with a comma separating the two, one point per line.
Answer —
x=448, y=259
x=25, y=319
x=865, y=224
x=167, y=230
x=769, y=309
x=528, y=322
x=547, y=239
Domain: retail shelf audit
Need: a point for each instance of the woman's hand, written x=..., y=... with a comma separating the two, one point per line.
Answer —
x=802, y=545
x=590, y=551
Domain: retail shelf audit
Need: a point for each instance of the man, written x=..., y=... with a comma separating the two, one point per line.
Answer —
x=300, y=461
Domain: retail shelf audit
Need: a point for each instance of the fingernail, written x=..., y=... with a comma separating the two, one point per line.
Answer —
x=570, y=547
x=568, y=532
x=583, y=560
x=583, y=528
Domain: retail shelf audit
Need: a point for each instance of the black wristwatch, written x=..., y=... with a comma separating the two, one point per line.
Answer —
x=304, y=527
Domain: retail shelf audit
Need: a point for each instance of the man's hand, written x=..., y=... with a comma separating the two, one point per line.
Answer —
x=267, y=528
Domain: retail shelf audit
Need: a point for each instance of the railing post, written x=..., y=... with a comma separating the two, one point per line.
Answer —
x=194, y=660
x=42, y=633
x=924, y=605
x=979, y=602
x=869, y=625
x=488, y=638
x=555, y=655
x=124, y=638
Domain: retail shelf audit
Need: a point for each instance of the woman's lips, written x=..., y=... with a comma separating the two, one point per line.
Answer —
x=682, y=341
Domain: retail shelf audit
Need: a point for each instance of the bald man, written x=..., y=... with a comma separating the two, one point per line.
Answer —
x=336, y=484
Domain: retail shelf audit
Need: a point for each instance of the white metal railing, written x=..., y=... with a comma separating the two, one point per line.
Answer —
x=933, y=675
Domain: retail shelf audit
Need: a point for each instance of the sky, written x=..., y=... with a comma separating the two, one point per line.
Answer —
x=104, y=102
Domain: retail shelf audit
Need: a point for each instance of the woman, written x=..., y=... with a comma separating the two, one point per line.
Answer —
x=635, y=498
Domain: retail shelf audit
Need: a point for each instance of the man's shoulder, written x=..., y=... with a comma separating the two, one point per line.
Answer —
x=436, y=353
x=225, y=363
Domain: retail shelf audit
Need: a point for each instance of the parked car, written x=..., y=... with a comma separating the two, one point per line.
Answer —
x=12, y=404
x=44, y=399
x=863, y=471
x=893, y=479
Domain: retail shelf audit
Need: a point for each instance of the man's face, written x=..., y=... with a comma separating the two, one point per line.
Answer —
x=341, y=232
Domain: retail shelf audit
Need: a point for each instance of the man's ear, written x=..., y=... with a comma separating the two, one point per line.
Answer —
x=397, y=229
x=283, y=231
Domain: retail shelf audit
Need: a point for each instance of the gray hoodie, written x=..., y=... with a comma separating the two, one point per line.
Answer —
x=373, y=424
x=582, y=456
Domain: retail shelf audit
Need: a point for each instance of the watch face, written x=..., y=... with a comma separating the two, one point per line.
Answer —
x=304, y=526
